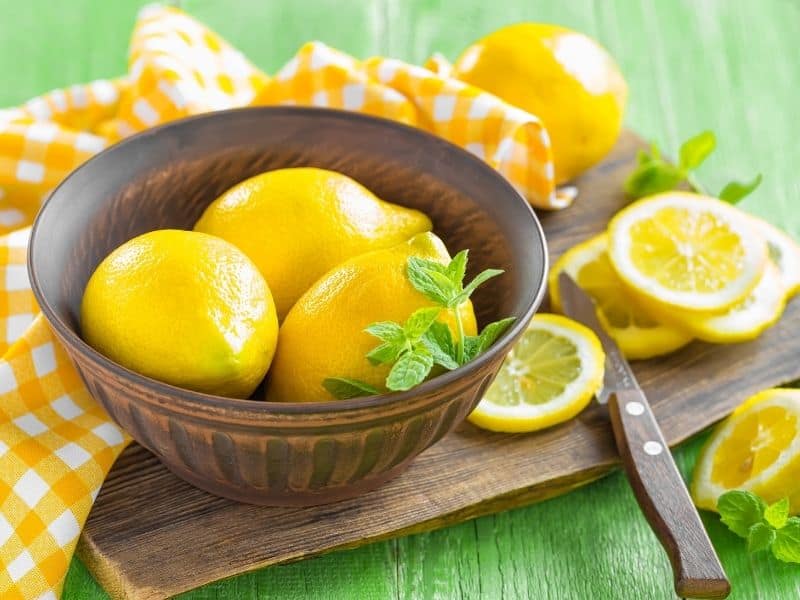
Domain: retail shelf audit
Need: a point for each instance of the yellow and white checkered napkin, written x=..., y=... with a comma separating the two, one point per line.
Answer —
x=56, y=443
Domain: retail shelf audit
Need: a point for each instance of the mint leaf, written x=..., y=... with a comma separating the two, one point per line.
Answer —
x=491, y=332
x=423, y=281
x=740, y=511
x=735, y=191
x=480, y=278
x=386, y=331
x=786, y=546
x=384, y=353
x=427, y=264
x=760, y=537
x=439, y=342
x=457, y=267
x=420, y=321
x=642, y=157
x=695, y=150
x=651, y=178
x=777, y=514
x=471, y=345
x=343, y=388
x=655, y=151
x=410, y=370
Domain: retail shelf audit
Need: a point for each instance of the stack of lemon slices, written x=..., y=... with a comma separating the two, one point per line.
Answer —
x=670, y=268
x=678, y=266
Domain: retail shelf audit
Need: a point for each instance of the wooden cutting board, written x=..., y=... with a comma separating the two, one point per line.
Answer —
x=150, y=535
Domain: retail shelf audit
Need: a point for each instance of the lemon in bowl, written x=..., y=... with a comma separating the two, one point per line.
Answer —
x=185, y=308
x=295, y=224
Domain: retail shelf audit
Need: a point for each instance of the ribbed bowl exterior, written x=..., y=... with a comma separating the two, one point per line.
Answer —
x=277, y=460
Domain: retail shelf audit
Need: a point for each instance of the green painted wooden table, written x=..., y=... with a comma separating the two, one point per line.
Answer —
x=730, y=66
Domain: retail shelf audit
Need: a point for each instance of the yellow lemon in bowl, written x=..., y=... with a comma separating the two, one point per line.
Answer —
x=295, y=224
x=185, y=308
x=323, y=335
x=563, y=77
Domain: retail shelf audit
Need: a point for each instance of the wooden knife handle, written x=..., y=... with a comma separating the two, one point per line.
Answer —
x=663, y=498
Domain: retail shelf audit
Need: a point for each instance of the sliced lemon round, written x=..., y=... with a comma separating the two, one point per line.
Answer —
x=784, y=253
x=637, y=334
x=756, y=449
x=686, y=251
x=746, y=320
x=548, y=377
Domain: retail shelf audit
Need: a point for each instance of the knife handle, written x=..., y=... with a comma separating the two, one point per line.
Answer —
x=662, y=496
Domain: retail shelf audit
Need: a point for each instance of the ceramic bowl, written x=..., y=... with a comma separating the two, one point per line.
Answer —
x=283, y=453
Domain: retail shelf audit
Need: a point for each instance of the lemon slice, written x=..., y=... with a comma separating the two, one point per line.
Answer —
x=686, y=251
x=784, y=253
x=756, y=449
x=548, y=377
x=636, y=333
x=746, y=320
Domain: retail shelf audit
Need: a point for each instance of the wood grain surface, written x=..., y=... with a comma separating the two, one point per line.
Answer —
x=151, y=536
x=691, y=65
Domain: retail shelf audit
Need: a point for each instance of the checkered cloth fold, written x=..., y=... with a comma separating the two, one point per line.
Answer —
x=56, y=443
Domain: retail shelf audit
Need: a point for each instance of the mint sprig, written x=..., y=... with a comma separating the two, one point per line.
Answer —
x=653, y=174
x=765, y=527
x=423, y=341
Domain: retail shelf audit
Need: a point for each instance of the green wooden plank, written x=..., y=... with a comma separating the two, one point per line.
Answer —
x=49, y=44
x=270, y=33
x=691, y=65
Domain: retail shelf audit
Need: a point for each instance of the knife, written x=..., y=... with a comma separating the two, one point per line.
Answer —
x=652, y=473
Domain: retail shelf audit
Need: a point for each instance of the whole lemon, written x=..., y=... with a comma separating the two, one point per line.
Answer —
x=295, y=224
x=563, y=77
x=185, y=308
x=323, y=335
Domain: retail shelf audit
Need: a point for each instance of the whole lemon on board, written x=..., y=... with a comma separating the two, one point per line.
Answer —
x=185, y=308
x=323, y=335
x=295, y=224
x=563, y=77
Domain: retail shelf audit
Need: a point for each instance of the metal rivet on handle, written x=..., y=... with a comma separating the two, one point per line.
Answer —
x=634, y=408
x=653, y=448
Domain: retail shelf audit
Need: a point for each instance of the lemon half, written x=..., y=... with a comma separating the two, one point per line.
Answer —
x=756, y=449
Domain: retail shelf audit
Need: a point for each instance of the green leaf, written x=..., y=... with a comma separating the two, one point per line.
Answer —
x=760, y=537
x=735, y=191
x=343, y=388
x=457, y=268
x=696, y=149
x=480, y=278
x=420, y=321
x=384, y=353
x=740, y=511
x=471, y=345
x=410, y=370
x=655, y=151
x=427, y=264
x=643, y=157
x=491, y=332
x=423, y=281
x=439, y=341
x=786, y=546
x=652, y=178
x=778, y=513
x=387, y=331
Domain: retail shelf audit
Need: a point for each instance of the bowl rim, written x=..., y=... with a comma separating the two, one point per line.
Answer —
x=71, y=337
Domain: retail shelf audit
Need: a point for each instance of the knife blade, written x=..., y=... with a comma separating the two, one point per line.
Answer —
x=578, y=305
x=652, y=473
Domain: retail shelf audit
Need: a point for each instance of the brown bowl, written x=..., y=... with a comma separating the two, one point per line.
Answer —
x=283, y=453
